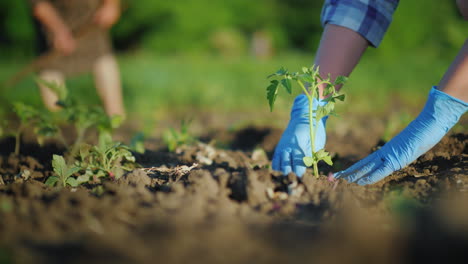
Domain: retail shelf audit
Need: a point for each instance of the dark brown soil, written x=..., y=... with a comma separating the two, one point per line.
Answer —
x=204, y=204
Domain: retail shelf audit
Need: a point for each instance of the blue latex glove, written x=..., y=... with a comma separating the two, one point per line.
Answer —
x=439, y=115
x=294, y=144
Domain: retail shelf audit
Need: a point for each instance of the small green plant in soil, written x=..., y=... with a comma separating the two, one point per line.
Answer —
x=46, y=124
x=175, y=138
x=108, y=159
x=137, y=143
x=63, y=173
x=81, y=117
x=309, y=80
x=42, y=123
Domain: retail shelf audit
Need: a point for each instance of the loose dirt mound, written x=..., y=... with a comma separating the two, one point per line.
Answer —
x=207, y=205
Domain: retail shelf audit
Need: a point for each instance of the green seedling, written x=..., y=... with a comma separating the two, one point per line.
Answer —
x=310, y=82
x=41, y=122
x=82, y=117
x=63, y=173
x=175, y=138
x=46, y=124
x=107, y=159
x=137, y=143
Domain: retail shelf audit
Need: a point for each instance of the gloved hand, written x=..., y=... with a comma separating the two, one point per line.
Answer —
x=439, y=115
x=294, y=144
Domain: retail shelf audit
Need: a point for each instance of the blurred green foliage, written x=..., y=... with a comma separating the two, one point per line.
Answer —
x=188, y=26
x=422, y=40
x=431, y=27
x=16, y=30
x=5, y=255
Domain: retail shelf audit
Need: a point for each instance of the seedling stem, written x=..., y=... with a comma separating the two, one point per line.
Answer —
x=310, y=77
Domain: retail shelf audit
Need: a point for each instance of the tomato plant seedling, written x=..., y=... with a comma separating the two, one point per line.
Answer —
x=310, y=81
x=175, y=138
x=82, y=117
x=62, y=173
x=41, y=122
x=107, y=159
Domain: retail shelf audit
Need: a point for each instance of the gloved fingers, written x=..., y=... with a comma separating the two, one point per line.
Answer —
x=286, y=161
x=299, y=170
x=376, y=175
x=298, y=163
x=360, y=168
x=364, y=169
x=355, y=167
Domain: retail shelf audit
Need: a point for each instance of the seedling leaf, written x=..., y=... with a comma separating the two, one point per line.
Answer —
x=287, y=84
x=282, y=71
x=329, y=89
x=328, y=160
x=72, y=171
x=340, y=97
x=63, y=171
x=340, y=80
x=328, y=108
x=320, y=154
x=137, y=143
x=335, y=97
x=25, y=112
x=52, y=180
x=82, y=179
x=307, y=78
x=58, y=163
x=320, y=113
x=72, y=182
x=323, y=155
x=308, y=161
x=272, y=93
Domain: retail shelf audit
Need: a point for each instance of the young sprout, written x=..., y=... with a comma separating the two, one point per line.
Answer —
x=82, y=117
x=83, y=163
x=310, y=81
x=41, y=122
x=63, y=173
x=174, y=138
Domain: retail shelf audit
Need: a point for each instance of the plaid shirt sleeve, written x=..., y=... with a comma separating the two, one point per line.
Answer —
x=369, y=18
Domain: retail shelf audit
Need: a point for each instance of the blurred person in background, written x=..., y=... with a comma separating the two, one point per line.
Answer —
x=350, y=26
x=77, y=30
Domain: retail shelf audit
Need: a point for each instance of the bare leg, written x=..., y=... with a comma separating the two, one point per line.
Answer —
x=455, y=80
x=339, y=51
x=48, y=96
x=107, y=80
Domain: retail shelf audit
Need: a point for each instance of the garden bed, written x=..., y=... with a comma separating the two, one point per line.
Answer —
x=203, y=204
